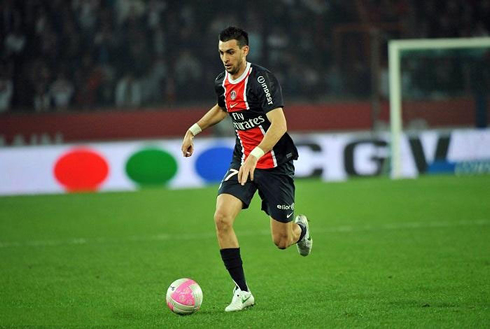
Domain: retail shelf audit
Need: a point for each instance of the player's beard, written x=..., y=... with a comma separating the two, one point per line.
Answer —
x=236, y=69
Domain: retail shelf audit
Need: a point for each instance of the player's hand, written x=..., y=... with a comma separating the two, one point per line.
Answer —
x=247, y=169
x=188, y=144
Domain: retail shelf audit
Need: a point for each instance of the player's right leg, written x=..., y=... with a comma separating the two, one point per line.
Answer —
x=233, y=197
x=227, y=208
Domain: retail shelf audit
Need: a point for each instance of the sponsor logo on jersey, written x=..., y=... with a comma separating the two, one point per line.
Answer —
x=268, y=96
x=248, y=124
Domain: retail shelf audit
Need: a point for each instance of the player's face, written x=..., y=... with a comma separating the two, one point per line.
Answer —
x=233, y=57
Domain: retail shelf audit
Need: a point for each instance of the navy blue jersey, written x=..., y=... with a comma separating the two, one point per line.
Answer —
x=247, y=100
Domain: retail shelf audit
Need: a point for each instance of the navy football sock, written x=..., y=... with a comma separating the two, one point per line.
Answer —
x=303, y=232
x=233, y=263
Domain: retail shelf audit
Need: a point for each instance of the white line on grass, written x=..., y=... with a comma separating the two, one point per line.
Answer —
x=209, y=235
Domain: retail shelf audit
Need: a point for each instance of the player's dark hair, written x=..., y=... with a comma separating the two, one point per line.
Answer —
x=234, y=33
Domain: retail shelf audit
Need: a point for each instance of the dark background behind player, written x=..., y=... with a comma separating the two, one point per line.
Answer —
x=151, y=59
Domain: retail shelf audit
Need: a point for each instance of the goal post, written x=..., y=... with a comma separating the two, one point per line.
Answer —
x=395, y=49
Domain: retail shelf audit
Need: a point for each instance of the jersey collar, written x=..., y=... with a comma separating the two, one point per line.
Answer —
x=241, y=77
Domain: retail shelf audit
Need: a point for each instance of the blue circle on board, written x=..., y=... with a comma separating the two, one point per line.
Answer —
x=212, y=164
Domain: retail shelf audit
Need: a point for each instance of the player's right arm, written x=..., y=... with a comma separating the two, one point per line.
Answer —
x=212, y=117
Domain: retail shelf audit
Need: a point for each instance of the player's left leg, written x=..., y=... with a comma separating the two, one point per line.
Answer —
x=297, y=232
x=284, y=234
x=276, y=188
x=305, y=242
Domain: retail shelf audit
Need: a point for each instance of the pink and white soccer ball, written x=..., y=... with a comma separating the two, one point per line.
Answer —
x=184, y=296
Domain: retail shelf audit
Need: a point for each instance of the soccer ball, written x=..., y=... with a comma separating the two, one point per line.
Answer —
x=184, y=296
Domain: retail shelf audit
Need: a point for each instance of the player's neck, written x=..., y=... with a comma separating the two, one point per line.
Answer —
x=240, y=71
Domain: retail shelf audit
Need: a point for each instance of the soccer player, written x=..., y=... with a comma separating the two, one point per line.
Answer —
x=262, y=158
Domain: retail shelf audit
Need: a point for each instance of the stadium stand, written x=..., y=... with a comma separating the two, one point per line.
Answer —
x=88, y=55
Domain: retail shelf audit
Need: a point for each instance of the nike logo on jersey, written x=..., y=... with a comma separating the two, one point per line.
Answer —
x=289, y=215
x=233, y=105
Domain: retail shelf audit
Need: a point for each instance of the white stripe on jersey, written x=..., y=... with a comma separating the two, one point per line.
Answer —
x=241, y=77
x=241, y=144
x=245, y=89
x=224, y=92
x=272, y=151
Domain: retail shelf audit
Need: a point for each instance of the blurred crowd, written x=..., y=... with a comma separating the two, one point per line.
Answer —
x=60, y=55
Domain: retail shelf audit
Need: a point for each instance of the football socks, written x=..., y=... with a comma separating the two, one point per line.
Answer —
x=303, y=232
x=233, y=263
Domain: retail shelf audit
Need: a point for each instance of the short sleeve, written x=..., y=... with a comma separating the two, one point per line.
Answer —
x=269, y=91
x=220, y=91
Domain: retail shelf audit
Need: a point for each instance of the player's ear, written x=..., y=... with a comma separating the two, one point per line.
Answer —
x=245, y=50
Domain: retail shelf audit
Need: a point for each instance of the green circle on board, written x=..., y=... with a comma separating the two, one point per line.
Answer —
x=151, y=167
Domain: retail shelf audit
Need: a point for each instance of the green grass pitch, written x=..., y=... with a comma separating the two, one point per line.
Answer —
x=398, y=254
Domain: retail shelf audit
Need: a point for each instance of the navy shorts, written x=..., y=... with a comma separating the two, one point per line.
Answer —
x=275, y=186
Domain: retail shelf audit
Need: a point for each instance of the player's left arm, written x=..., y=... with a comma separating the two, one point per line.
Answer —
x=276, y=130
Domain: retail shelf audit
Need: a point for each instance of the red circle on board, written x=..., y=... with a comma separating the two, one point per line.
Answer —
x=81, y=170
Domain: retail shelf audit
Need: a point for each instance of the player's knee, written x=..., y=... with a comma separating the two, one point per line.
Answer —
x=222, y=221
x=281, y=241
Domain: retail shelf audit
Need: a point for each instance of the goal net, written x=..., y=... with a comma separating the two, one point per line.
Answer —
x=436, y=84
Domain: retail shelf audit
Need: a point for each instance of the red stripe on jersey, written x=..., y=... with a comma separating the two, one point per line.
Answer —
x=248, y=139
x=236, y=93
